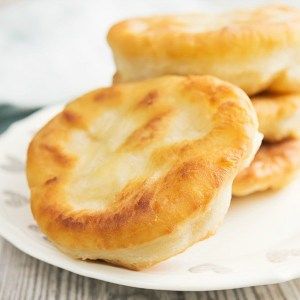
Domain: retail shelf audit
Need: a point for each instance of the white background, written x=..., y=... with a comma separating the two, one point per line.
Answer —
x=54, y=50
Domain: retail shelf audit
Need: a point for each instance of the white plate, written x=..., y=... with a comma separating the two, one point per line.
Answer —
x=259, y=242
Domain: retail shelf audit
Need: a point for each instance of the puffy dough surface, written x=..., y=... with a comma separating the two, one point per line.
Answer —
x=254, y=49
x=273, y=167
x=136, y=173
x=278, y=116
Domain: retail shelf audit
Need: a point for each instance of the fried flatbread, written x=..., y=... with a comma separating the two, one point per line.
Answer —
x=136, y=173
x=256, y=49
x=273, y=167
x=278, y=116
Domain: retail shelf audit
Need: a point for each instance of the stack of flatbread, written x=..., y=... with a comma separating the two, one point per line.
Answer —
x=257, y=50
x=137, y=172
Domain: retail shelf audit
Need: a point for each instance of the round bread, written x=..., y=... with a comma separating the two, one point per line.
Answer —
x=254, y=49
x=136, y=173
x=273, y=167
x=278, y=116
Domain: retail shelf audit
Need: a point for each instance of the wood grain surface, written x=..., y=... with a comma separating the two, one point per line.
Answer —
x=24, y=277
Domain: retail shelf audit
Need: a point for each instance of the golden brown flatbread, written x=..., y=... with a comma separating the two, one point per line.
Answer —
x=256, y=49
x=136, y=173
x=274, y=166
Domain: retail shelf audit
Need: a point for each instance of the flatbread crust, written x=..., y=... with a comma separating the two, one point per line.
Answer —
x=255, y=49
x=136, y=173
x=273, y=167
x=278, y=116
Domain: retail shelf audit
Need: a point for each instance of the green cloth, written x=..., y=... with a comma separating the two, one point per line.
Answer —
x=10, y=114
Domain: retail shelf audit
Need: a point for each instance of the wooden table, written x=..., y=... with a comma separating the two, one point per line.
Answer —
x=24, y=277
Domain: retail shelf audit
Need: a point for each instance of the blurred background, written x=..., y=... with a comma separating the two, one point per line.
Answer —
x=54, y=50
